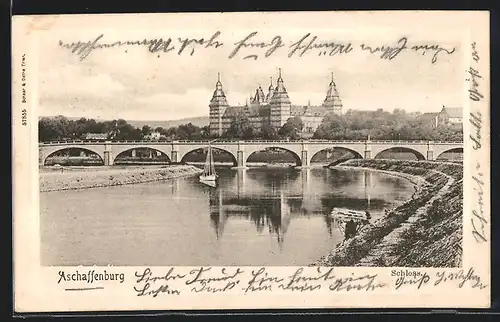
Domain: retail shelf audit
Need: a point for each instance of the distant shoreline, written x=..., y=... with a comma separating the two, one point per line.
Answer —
x=416, y=180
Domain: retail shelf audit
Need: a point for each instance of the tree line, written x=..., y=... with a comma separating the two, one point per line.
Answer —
x=62, y=128
x=354, y=125
x=383, y=125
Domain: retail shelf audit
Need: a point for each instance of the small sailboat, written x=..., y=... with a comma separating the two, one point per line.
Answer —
x=209, y=176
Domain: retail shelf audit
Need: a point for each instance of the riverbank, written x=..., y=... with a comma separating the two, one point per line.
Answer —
x=425, y=231
x=70, y=178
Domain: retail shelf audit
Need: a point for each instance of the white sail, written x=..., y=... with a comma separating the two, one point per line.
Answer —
x=212, y=163
x=206, y=168
x=209, y=174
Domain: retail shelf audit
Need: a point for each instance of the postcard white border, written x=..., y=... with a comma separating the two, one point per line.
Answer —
x=36, y=288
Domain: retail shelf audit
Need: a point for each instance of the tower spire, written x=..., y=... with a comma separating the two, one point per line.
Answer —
x=218, y=105
x=218, y=85
x=279, y=84
x=280, y=103
x=270, y=90
x=332, y=102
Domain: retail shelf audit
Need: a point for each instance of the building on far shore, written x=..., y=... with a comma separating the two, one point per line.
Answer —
x=450, y=116
x=95, y=136
x=273, y=108
x=447, y=116
x=153, y=136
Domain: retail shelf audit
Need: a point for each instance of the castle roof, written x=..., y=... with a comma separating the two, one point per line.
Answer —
x=233, y=111
x=258, y=110
x=218, y=98
x=259, y=96
x=280, y=95
x=260, y=105
x=308, y=110
x=332, y=96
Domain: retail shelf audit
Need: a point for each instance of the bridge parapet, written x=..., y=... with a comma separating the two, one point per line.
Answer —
x=248, y=142
x=303, y=150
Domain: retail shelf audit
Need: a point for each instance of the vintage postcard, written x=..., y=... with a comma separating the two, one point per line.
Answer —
x=251, y=161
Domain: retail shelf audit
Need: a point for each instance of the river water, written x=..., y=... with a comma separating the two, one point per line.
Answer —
x=261, y=216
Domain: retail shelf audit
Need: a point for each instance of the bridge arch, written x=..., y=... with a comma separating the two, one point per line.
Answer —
x=120, y=148
x=398, y=149
x=294, y=154
x=442, y=155
x=141, y=149
x=355, y=155
x=215, y=151
x=51, y=152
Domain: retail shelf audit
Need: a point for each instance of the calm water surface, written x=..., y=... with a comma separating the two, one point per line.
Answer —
x=254, y=217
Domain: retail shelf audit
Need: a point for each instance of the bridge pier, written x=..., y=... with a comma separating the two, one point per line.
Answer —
x=108, y=158
x=108, y=153
x=430, y=151
x=304, y=159
x=304, y=156
x=368, y=150
x=241, y=161
x=174, y=157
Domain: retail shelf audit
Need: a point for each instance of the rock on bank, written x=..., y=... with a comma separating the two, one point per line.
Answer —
x=82, y=178
x=425, y=231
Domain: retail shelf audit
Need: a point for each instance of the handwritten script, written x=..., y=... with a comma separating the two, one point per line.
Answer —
x=243, y=281
x=220, y=280
x=254, y=46
x=460, y=279
x=478, y=219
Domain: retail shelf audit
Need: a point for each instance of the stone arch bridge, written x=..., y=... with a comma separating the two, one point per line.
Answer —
x=303, y=150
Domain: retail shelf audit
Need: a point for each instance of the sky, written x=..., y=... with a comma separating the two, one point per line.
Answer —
x=135, y=84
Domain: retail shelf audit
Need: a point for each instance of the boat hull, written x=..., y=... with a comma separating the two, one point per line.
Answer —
x=208, y=178
x=212, y=182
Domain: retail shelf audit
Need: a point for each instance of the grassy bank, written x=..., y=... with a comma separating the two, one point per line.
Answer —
x=93, y=177
x=425, y=231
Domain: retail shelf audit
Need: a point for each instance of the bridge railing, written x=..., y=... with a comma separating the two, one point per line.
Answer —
x=250, y=141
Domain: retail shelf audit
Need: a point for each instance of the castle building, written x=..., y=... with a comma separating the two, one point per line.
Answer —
x=273, y=109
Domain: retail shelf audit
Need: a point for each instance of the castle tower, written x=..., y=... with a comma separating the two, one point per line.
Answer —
x=218, y=105
x=332, y=102
x=259, y=97
x=279, y=104
x=270, y=92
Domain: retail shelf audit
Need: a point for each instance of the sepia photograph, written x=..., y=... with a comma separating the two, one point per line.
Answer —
x=169, y=156
x=276, y=165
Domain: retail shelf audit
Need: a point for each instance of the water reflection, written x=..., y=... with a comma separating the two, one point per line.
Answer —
x=270, y=212
x=271, y=204
x=273, y=216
